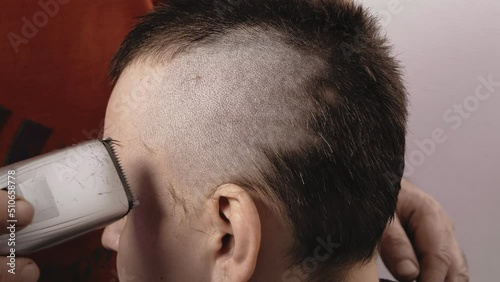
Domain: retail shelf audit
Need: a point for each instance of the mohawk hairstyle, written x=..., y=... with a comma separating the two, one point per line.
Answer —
x=344, y=188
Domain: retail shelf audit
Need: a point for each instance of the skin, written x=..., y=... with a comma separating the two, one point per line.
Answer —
x=177, y=234
x=395, y=246
x=25, y=268
x=433, y=249
x=229, y=236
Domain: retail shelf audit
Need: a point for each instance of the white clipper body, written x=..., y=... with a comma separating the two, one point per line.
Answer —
x=73, y=191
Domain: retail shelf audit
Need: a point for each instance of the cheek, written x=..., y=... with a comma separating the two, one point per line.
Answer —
x=154, y=244
x=156, y=249
x=137, y=255
x=145, y=247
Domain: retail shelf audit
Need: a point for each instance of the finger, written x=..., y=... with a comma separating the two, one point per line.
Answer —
x=430, y=230
x=397, y=252
x=14, y=208
x=459, y=269
x=23, y=269
x=434, y=266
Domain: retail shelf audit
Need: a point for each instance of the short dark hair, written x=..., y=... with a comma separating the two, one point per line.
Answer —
x=343, y=189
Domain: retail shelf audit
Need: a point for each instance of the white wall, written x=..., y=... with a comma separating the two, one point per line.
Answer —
x=446, y=46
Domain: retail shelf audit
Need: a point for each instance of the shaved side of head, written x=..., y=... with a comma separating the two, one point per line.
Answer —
x=214, y=109
x=300, y=102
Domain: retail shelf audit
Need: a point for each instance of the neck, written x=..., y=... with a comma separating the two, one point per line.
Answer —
x=275, y=243
x=364, y=273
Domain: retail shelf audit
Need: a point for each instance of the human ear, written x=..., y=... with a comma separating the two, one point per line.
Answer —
x=236, y=233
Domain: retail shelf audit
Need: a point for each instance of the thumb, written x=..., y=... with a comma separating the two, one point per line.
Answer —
x=397, y=252
x=22, y=269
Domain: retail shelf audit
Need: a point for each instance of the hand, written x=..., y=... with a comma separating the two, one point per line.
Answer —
x=26, y=269
x=422, y=235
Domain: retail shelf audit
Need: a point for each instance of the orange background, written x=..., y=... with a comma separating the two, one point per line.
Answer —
x=58, y=80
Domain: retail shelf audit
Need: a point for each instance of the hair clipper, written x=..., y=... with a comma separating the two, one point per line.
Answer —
x=73, y=191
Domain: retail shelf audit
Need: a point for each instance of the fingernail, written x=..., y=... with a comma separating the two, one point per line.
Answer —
x=406, y=268
x=29, y=273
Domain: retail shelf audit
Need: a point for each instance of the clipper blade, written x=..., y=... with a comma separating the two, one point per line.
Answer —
x=109, y=144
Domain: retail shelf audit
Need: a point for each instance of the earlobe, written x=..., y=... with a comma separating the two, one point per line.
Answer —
x=237, y=233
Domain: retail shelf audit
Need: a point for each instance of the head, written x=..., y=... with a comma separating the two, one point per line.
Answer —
x=264, y=140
